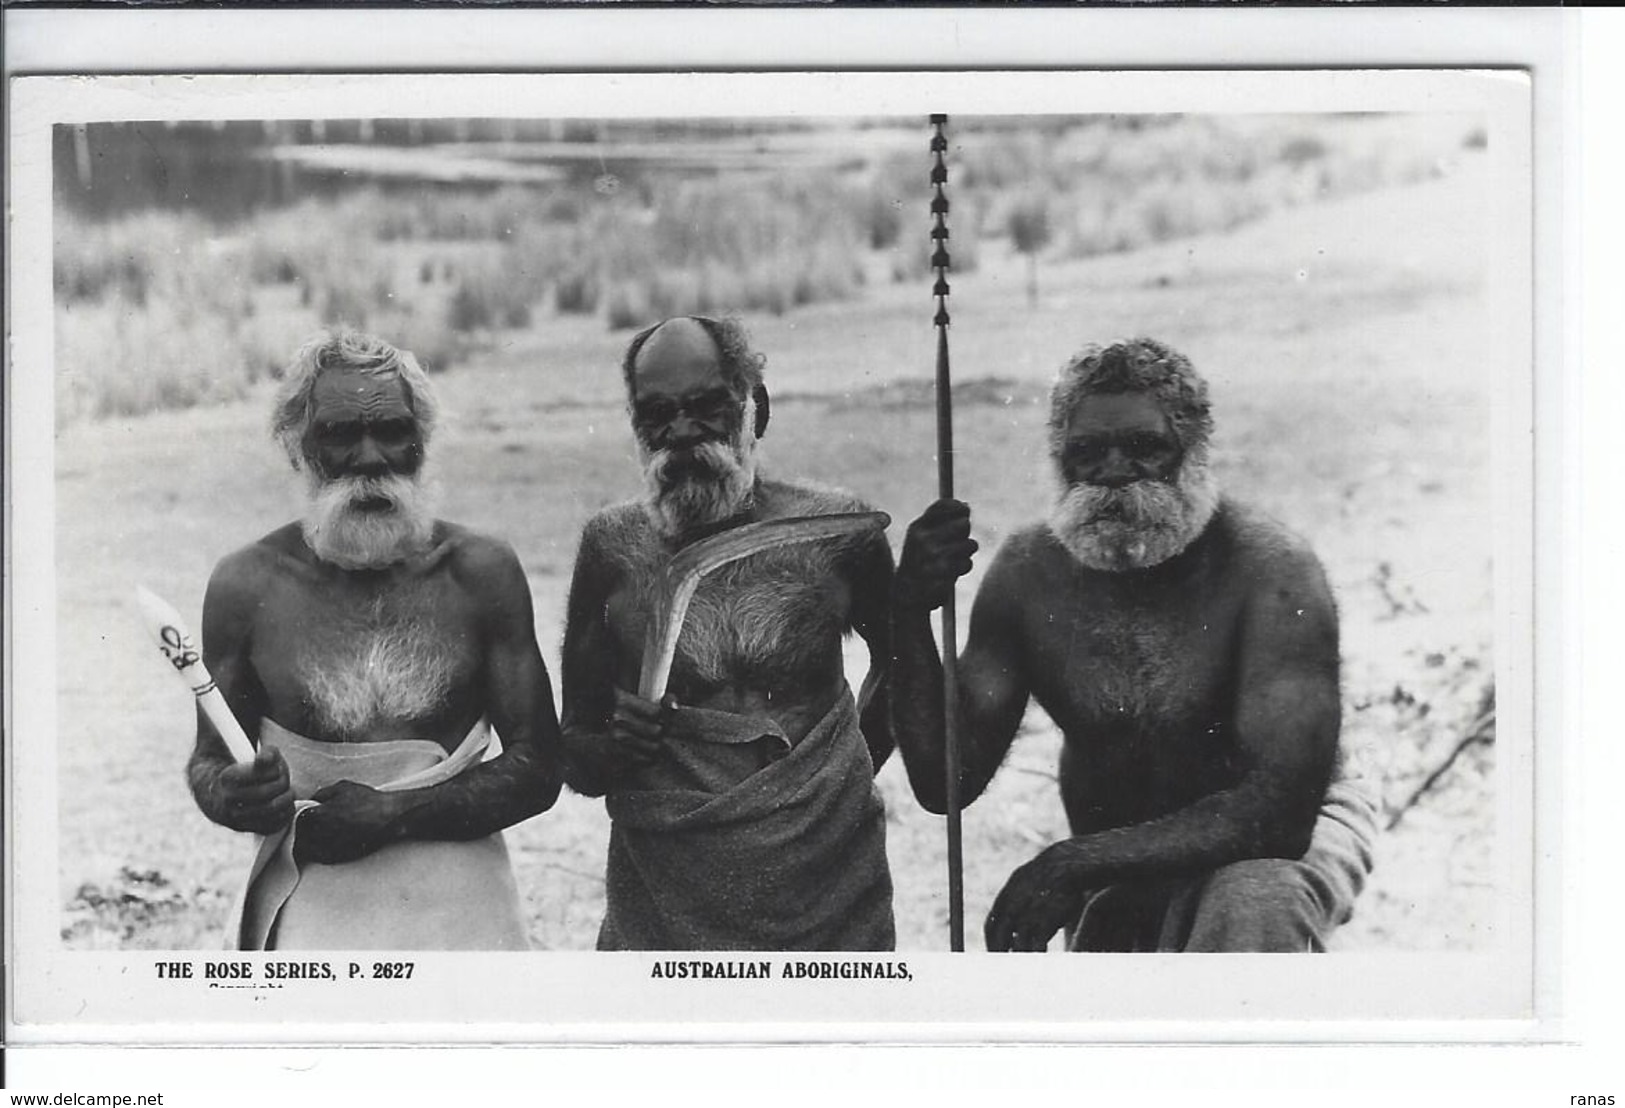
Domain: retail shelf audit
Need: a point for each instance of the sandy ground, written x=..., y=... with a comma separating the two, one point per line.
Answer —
x=1346, y=344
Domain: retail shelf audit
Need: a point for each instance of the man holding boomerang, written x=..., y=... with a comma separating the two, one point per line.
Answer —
x=739, y=774
x=371, y=648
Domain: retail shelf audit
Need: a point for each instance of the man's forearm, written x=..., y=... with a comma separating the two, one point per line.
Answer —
x=915, y=681
x=202, y=774
x=585, y=767
x=874, y=716
x=520, y=783
x=1248, y=821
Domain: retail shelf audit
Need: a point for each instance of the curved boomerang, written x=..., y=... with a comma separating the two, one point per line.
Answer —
x=693, y=562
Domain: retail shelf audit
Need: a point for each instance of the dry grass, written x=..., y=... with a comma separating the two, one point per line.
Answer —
x=163, y=311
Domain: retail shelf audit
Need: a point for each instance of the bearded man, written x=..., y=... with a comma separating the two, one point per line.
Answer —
x=745, y=815
x=1186, y=646
x=370, y=649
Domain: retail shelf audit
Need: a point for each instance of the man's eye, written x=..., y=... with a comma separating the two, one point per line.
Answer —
x=656, y=413
x=712, y=409
x=340, y=434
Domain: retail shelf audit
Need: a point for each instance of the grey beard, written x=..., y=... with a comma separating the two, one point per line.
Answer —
x=1138, y=525
x=693, y=488
x=343, y=534
x=382, y=662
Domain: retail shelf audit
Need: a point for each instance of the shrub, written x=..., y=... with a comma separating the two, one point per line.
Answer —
x=627, y=306
x=95, y=261
x=435, y=345
x=577, y=289
x=1299, y=149
x=728, y=244
x=117, y=359
x=1028, y=224
x=469, y=309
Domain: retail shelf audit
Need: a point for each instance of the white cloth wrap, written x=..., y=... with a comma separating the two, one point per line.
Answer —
x=416, y=895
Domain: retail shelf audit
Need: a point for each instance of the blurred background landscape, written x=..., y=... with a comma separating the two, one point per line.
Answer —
x=1325, y=272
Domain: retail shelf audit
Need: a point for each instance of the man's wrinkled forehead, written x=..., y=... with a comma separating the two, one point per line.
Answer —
x=1098, y=414
x=343, y=396
x=680, y=357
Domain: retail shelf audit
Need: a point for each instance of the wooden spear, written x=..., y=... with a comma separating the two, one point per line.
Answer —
x=945, y=490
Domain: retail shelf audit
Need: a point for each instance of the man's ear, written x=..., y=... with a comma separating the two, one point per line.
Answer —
x=763, y=408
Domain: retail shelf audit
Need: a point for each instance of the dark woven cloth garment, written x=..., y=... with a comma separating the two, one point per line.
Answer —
x=737, y=839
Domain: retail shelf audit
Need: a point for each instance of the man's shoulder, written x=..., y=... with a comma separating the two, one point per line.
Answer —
x=485, y=567
x=1025, y=548
x=240, y=580
x=616, y=541
x=861, y=552
x=619, y=516
x=1023, y=568
x=1260, y=540
x=1273, y=563
x=807, y=498
x=616, y=526
x=265, y=555
x=471, y=549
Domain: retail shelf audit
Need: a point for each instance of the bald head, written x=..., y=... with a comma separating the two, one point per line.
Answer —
x=678, y=357
x=698, y=406
x=692, y=338
x=697, y=358
x=681, y=340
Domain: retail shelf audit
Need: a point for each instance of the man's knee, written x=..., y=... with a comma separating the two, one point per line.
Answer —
x=1285, y=882
x=1261, y=904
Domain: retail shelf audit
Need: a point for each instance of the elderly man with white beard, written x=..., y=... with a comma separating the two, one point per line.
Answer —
x=1187, y=648
x=370, y=649
x=744, y=812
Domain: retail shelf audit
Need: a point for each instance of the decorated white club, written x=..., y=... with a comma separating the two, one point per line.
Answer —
x=176, y=644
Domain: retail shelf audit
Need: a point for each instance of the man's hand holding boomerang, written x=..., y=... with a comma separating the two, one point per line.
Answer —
x=636, y=726
x=740, y=776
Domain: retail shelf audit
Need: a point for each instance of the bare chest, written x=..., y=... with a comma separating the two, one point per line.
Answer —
x=369, y=663
x=772, y=621
x=1135, y=668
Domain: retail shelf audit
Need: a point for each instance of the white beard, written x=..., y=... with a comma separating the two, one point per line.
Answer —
x=690, y=489
x=340, y=532
x=1139, y=525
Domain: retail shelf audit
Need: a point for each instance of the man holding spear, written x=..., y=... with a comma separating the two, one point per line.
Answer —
x=1186, y=646
x=370, y=649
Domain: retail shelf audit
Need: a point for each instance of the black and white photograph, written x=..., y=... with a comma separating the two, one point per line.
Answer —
x=665, y=532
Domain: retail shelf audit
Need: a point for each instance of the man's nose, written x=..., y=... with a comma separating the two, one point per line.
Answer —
x=369, y=460
x=1113, y=471
x=684, y=430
